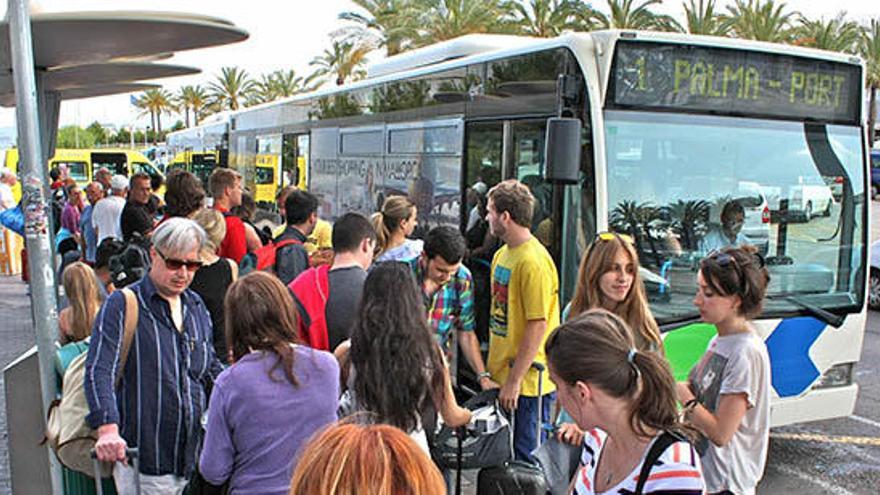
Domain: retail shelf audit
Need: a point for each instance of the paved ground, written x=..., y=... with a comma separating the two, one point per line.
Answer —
x=840, y=457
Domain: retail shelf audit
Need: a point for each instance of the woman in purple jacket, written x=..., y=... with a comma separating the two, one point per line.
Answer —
x=275, y=395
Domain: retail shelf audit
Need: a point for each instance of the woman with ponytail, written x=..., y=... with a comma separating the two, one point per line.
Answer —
x=394, y=224
x=727, y=395
x=624, y=399
x=276, y=394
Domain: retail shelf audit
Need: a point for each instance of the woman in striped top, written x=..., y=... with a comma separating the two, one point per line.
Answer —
x=624, y=399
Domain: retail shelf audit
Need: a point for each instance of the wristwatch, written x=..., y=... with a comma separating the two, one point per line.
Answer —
x=484, y=374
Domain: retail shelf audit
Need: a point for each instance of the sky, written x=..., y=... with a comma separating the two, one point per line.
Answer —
x=286, y=34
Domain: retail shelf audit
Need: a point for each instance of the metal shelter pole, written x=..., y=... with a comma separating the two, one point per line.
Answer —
x=34, y=193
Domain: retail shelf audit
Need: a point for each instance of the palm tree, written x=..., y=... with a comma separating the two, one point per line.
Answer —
x=155, y=102
x=392, y=24
x=702, y=18
x=448, y=19
x=264, y=89
x=639, y=220
x=192, y=98
x=344, y=59
x=761, y=20
x=836, y=34
x=231, y=88
x=544, y=18
x=634, y=14
x=688, y=220
x=869, y=49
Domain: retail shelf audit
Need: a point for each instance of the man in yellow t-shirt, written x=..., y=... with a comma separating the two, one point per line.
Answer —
x=319, y=240
x=524, y=310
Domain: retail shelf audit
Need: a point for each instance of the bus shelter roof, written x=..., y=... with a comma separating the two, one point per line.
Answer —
x=86, y=54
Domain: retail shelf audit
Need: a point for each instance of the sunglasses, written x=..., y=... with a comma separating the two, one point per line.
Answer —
x=175, y=264
x=724, y=259
x=609, y=236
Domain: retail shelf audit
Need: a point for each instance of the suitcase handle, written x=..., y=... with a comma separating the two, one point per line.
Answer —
x=131, y=453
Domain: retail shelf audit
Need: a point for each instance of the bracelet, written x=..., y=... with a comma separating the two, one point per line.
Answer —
x=484, y=374
x=691, y=403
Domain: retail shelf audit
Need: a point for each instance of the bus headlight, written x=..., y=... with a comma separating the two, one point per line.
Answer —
x=839, y=375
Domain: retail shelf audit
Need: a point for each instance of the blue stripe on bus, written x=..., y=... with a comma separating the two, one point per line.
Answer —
x=792, y=370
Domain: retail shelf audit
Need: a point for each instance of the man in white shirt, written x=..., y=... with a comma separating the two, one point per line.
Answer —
x=7, y=180
x=105, y=216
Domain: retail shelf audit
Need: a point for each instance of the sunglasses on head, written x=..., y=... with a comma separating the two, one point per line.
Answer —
x=175, y=264
x=609, y=236
x=725, y=259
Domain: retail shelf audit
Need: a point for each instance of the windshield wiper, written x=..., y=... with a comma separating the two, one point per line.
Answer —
x=679, y=323
x=827, y=317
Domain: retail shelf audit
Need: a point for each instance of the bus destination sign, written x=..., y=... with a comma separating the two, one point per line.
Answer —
x=734, y=82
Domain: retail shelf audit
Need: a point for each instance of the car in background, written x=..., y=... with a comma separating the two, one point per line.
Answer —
x=875, y=174
x=874, y=281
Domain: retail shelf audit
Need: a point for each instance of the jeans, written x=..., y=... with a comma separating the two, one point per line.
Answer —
x=526, y=425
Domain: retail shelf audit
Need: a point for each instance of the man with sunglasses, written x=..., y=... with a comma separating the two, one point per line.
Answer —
x=729, y=233
x=159, y=400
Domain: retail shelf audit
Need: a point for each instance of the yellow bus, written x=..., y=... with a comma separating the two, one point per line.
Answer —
x=199, y=163
x=83, y=163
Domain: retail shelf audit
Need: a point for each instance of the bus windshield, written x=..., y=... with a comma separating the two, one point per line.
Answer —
x=684, y=185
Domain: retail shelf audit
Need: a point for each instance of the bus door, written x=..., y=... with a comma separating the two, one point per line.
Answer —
x=494, y=151
x=295, y=160
x=267, y=170
x=511, y=149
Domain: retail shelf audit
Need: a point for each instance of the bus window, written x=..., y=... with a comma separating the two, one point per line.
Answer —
x=264, y=175
x=78, y=170
x=116, y=162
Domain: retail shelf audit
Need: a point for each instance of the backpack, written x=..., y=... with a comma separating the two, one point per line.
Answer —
x=312, y=289
x=264, y=258
x=67, y=431
x=131, y=264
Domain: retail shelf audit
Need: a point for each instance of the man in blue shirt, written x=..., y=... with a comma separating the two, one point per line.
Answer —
x=729, y=232
x=89, y=238
x=158, y=404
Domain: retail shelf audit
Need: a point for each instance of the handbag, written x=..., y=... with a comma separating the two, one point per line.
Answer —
x=485, y=441
x=13, y=219
x=559, y=461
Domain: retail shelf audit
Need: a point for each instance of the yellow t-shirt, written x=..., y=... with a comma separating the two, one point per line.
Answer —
x=525, y=287
x=321, y=238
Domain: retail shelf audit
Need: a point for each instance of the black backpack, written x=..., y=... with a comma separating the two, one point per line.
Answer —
x=132, y=263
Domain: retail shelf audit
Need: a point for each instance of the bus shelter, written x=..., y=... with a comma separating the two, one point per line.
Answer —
x=46, y=58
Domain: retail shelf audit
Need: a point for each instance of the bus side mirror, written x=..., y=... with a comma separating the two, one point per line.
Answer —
x=562, y=158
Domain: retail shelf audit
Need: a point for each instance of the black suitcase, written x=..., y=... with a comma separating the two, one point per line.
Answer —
x=513, y=478
x=516, y=477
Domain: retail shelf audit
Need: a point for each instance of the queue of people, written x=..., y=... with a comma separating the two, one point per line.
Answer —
x=294, y=379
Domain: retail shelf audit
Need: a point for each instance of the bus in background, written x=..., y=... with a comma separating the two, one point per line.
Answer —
x=83, y=163
x=199, y=163
x=267, y=162
x=200, y=149
x=670, y=128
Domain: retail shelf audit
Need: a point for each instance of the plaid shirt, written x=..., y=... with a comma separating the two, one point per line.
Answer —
x=451, y=306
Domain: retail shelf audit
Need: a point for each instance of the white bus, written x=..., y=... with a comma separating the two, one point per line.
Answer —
x=658, y=132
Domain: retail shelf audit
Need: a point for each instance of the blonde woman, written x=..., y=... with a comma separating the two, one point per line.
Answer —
x=394, y=224
x=215, y=276
x=608, y=278
x=85, y=297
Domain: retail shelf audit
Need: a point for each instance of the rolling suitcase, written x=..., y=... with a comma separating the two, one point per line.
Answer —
x=132, y=455
x=516, y=477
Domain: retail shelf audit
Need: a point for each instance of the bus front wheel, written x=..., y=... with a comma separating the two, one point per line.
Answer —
x=874, y=290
